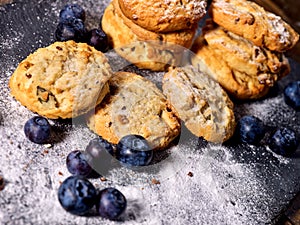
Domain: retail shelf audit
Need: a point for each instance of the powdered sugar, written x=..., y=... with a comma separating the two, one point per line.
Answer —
x=195, y=8
x=278, y=27
x=230, y=183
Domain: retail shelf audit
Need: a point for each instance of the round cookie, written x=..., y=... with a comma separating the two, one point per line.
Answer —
x=135, y=106
x=63, y=80
x=178, y=37
x=246, y=71
x=251, y=21
x=200, y=102
x=164, y=16
x=147, y=53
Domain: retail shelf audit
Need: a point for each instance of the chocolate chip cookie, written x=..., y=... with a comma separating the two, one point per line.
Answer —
x=135, y=106
x=200, y=102
x=251, y=21
x=63, y=80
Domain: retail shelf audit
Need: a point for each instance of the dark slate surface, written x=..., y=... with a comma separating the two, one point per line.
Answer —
x=231, y=184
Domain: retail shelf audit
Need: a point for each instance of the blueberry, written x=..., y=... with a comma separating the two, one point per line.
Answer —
x=71, y=29
x=77, y=195
x=71, y=10
x=134, y=150
x=250, y=130
x=112, y=203
x=98, y=39
x=283, y=142
x=98, y=145
x=99, y=153
x=38, y=130
x=77, y=164
x=292, y=95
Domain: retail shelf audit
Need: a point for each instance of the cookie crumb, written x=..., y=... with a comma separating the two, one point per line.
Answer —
x=190, y=174
x=2, y=183
x=103, y=179
x=60, y=173
x=46, y=151
x=154, y=181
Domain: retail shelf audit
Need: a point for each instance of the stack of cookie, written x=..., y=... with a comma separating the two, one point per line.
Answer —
x=152, y=34
x=242, y=47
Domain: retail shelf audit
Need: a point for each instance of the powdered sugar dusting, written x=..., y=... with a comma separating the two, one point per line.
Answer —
x=195, y=8
x=279, y=28
x=196, y=182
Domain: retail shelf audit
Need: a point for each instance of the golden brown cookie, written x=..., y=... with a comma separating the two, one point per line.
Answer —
x=63, y=80
x=135, y=106
x=182, y=37
x=164, y=16
x=246, y=71
x=251, y=21
x=147, y=52
x=200, y=102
